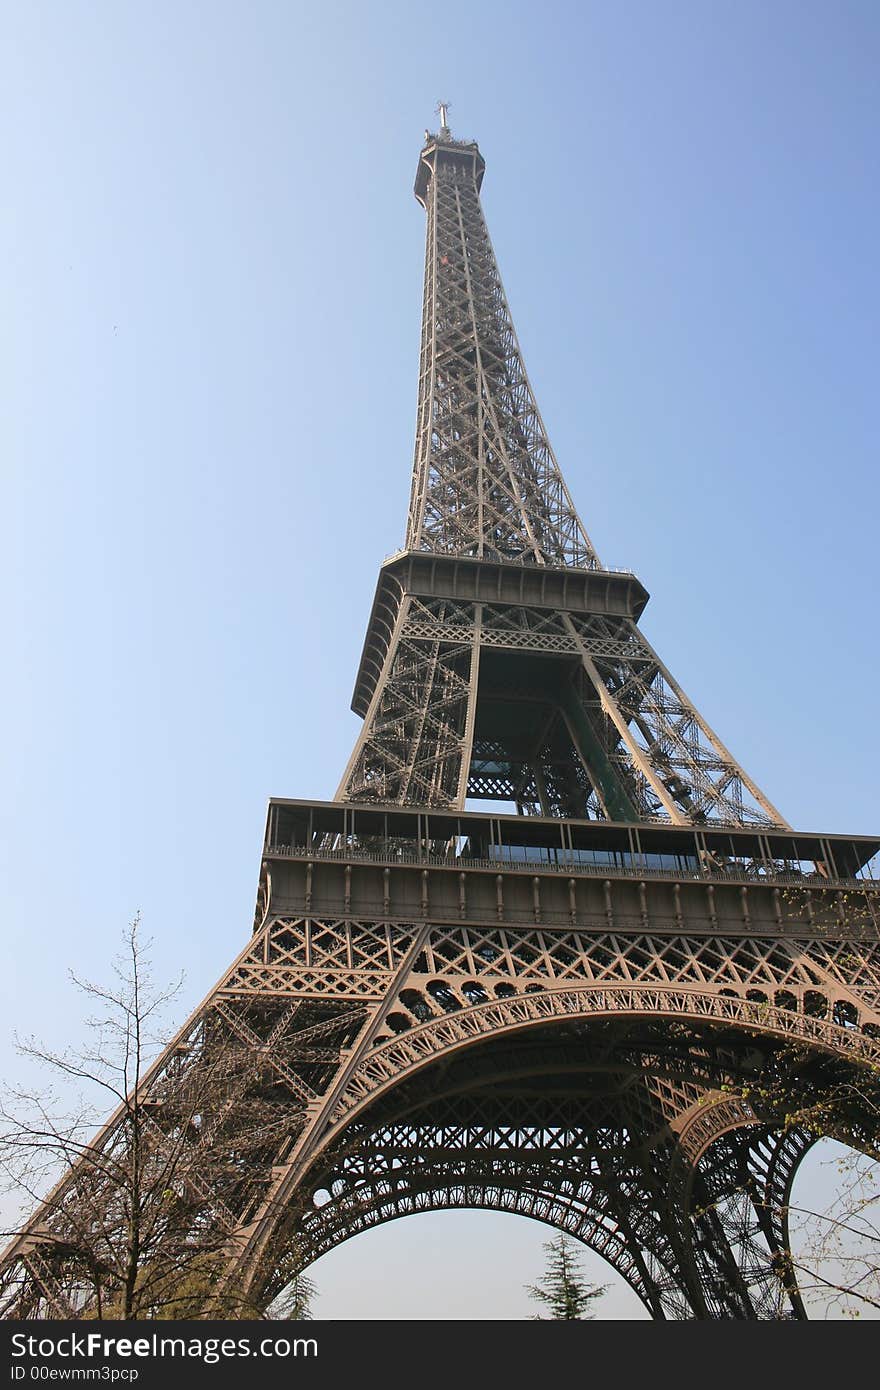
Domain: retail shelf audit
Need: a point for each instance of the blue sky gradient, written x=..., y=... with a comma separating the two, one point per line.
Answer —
x=211, y=288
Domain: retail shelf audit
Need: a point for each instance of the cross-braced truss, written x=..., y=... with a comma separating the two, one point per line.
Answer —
x=562, y=714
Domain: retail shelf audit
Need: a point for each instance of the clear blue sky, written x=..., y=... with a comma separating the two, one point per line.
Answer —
x=211, y=270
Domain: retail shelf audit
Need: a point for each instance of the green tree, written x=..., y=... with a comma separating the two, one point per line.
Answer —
x=563, y=1289
x=295, y=1302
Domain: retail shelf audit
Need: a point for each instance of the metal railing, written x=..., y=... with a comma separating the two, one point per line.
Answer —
x=570, y=867
x=525, y=560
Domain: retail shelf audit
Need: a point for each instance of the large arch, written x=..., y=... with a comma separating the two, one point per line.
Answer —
x=626, y=1127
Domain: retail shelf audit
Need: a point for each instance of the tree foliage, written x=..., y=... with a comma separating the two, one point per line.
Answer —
x=295, y=1303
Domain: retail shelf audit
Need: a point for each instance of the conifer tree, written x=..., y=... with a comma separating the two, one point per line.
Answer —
x=563, y=1289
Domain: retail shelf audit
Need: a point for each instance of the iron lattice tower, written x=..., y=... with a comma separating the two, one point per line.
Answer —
x=555, y=1007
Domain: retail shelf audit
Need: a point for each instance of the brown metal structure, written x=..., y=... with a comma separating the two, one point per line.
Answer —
x=559, y=1007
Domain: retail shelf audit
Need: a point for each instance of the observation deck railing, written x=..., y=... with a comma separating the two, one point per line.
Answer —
x=572, y=867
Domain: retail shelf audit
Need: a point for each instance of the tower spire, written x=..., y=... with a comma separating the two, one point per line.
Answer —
x=485, y=479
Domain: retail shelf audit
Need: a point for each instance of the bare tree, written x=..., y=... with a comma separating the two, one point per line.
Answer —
x=835, y=1257
x=837, y=1249
x=129, y=1220
x=835, y=1254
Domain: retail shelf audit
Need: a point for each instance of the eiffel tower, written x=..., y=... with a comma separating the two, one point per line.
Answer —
x=568, y=1005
